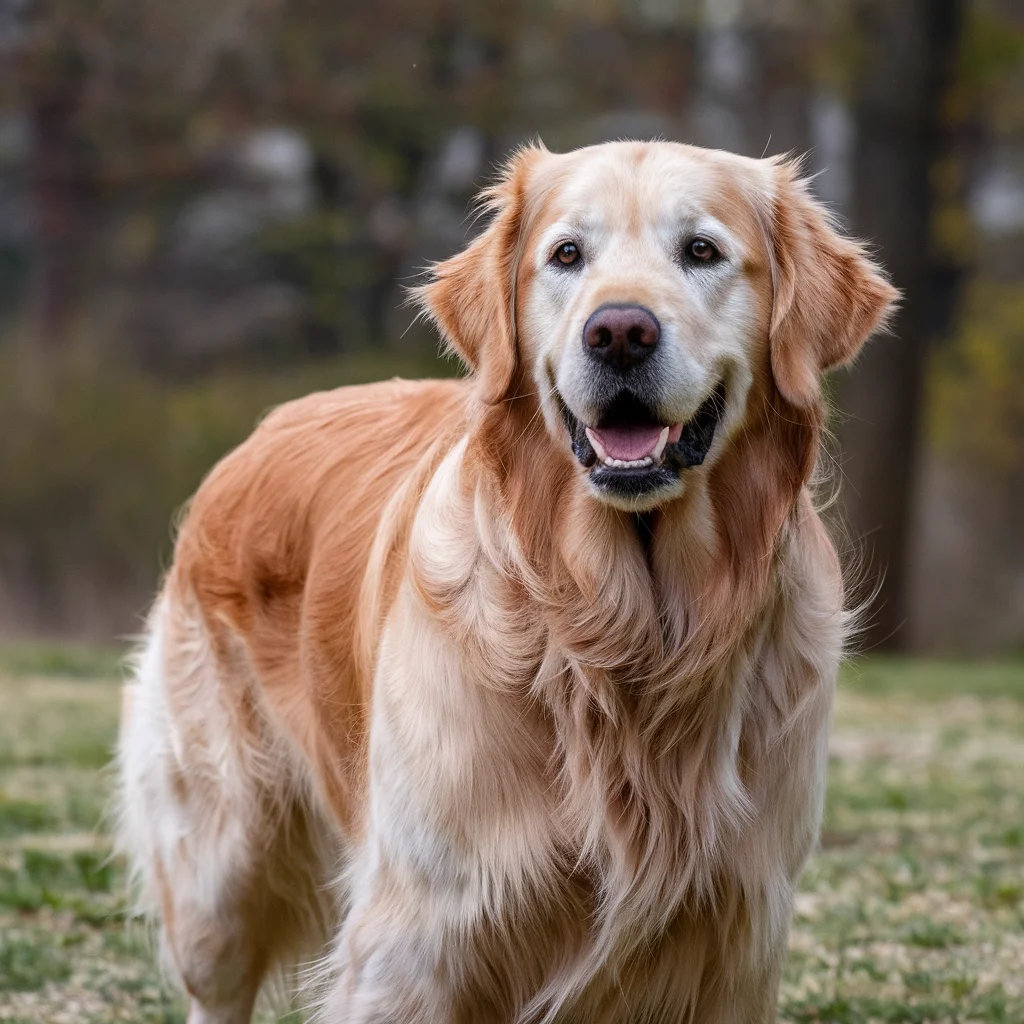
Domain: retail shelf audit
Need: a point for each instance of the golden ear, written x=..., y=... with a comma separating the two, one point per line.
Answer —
x=472, y=296
x=829, y=296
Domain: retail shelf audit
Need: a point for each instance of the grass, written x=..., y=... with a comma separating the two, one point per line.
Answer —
x=913, y=910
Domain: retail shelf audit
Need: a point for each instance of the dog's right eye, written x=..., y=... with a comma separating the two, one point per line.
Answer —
x=700, y=251
x=566, y=254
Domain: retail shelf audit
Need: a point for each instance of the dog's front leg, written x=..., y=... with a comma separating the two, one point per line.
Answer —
x=741, y=994
x=444, y=889
x=395, y=961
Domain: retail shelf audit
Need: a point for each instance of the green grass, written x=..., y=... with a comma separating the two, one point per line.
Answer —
x=913, y=910
x=77, y=661
x=928, y=680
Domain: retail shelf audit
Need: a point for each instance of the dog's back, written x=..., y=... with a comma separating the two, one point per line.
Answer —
x=243, y=732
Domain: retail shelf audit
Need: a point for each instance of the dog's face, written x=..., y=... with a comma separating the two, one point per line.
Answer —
x=643, y=290
x=643, y=310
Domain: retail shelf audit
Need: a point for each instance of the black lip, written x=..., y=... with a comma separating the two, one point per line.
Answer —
x=695, y=441
x=632, y=484
x=690, y=450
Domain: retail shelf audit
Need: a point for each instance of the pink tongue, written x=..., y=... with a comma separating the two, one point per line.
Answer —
x=627, y=443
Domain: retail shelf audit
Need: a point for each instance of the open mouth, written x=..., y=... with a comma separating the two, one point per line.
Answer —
x=629, y=449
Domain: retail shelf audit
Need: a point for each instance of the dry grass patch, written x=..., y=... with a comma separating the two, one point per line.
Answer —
x=913, y=911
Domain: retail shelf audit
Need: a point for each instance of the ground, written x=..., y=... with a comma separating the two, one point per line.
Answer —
x=913, y=909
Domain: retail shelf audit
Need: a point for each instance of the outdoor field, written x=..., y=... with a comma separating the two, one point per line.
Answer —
x=913, y=910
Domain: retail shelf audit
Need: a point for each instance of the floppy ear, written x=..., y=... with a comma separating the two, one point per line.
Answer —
x=829, y=297
x=472, y=296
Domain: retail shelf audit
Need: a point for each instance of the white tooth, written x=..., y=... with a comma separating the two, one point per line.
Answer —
x=601, y=453
x=660, y=446
x=609, y=461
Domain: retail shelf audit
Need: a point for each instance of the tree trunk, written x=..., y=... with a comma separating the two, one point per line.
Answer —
x=60, y=180
x=910, y=48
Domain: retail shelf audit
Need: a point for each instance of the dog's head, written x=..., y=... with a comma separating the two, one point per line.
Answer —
x=645, y=292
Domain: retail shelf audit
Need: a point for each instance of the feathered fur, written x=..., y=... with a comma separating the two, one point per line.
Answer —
x=414, y=699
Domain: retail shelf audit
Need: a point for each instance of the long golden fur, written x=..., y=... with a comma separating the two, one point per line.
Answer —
x=417, y=698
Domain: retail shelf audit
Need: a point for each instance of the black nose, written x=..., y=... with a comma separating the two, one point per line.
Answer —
x=621, y=336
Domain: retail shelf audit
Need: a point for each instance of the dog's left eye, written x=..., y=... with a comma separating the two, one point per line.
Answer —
x=700, y=251
x=566, y=254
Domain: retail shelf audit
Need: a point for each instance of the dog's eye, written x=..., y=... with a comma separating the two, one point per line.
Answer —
x=566, y=254
x=700, y=250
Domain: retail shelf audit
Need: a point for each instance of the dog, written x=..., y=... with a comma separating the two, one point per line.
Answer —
x=506, y=698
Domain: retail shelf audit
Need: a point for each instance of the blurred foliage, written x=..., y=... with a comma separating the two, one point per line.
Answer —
x=95, y=456
x=977, y=385
x=152, y=112
x=991, y=68
x=321, y=254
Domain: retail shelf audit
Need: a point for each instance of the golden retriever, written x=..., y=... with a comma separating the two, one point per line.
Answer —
x=507, y=697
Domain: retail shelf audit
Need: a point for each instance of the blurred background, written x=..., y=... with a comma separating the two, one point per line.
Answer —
x=210, y=206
